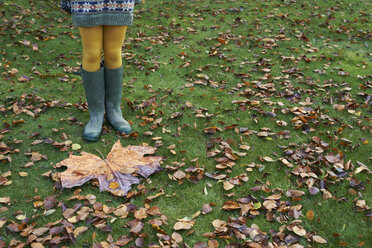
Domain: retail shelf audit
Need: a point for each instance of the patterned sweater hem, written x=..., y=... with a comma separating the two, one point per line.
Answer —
x=109, y=19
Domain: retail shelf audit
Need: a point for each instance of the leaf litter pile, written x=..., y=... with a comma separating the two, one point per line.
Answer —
x=260, y=112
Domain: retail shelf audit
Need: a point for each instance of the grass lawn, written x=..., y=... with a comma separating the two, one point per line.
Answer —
x=261, y=110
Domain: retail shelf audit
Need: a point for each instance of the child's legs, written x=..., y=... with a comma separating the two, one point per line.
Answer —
x=113, y=38
x=92, y=38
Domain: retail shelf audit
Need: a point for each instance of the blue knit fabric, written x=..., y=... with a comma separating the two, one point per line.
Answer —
x=90, y=13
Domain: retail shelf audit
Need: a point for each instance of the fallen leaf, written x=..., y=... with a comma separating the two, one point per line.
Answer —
x=220, y=225
x=299, y=231
x=123, y=240
x=75, y=147
x=36, y=245
x=183, y=225
x=268, y=159
x=2, y=222
x=319, y=239
x=177, y=237
x=362, y=243
x=227, y=185
x=269, y=204
x=274, y=197
x=23, y=174
x=285, y=161
x=206, y=208
x=263, y=134
x=114, y=173
x=36, y=156
x=294, y=193
x=50, y=202
x=40, y=231
x=121, y=211
x=200, y=244
x=141, y=214
x=154, y=211
x=21, y=217
x=139, y=242
x=68, y=213
x=4, y=199
x=310, y=215
x=314, y=190
x=230, y=205
x=245, y=147
x=212, y=243
x=179, y=175
x=332, y=159
x=79, y=230
x=361, y=204
x=38, y=204
x=136, y=226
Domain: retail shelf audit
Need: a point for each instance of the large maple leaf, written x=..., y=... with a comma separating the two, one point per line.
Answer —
x=115, y=174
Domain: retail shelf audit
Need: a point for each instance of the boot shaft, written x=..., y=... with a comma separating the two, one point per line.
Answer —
x=113, y=85
x=113, y=94
x=94, y=86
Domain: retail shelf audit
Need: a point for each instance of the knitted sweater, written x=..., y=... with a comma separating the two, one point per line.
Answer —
x=90, y=13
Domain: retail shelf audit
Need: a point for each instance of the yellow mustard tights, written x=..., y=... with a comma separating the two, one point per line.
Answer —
x=110, y=38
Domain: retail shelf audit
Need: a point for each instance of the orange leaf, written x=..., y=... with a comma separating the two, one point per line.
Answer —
x=115, y=173
x=230, y=205
x=38, y=204
x=362, y=243
x=310, y=215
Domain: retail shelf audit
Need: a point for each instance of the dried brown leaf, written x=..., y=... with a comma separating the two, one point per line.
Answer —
x=227, y=185
x=4, y=199
x=299, y=231
x=136, y=226
x=230, y=205
x=206, y=208
x=219, y=225
x=319, y=239
x=80, y=230
x=141, y=214
x=294, y=193
x=179, y=175
x=36, y=245
x=212, y=243
x=114, y=173
x=177, y=237
x=183, y=225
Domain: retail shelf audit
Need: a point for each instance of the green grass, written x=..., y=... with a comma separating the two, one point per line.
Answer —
x=168, y=46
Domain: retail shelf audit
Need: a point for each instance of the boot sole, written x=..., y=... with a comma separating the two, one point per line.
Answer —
x=88, y=138
x=117, y=130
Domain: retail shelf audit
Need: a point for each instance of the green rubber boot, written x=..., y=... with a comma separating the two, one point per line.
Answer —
x=94, y=86
x=113, y=94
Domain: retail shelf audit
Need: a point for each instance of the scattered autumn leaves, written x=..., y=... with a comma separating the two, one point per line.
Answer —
x=79, y=218
x=282, y=89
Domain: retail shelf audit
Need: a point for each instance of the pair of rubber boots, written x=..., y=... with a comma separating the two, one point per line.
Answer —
x=103, y=90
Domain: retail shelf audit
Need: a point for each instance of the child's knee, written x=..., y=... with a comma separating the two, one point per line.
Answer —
x=92, y=56
x=91, y=61
x=112, y=60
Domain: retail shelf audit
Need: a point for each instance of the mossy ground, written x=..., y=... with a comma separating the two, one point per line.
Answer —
x=169, y=45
